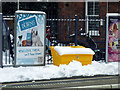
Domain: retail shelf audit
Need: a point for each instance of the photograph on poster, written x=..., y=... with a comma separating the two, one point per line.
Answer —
x=113, y=38
x=32, y=37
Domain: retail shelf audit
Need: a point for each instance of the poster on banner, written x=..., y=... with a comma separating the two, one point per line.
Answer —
x=113, y=37
x=30, y=38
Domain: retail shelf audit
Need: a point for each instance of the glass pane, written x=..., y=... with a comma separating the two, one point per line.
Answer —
x=96, y=8
x=5, y=38
x=90, y=8
x=90, y=3
x=93, y=23
x=96, y=3
x=93, y=8
x=4, y=29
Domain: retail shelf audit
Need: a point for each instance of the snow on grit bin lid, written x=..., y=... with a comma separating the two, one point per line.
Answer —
x=69, y=50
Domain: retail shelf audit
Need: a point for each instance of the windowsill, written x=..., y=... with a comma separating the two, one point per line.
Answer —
x=92, y=33
x=93, y=15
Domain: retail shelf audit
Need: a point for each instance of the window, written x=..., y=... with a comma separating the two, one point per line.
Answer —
x=93, y=8
x=92, y=14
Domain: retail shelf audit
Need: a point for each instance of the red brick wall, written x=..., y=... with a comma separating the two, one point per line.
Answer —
x=114, y=7
x=103, y=9
x=102, y=29
x=70, y=9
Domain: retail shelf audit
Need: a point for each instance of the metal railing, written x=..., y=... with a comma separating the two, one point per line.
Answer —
x=65, y=31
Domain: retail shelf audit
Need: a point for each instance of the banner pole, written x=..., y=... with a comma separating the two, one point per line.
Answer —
x=1, y=57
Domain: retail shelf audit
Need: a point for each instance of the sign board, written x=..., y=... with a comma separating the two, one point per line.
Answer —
x=113, y=37
x=30, y=37
x=1, y=39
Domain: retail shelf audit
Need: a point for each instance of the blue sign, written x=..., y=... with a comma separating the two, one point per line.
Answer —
x=28, y=23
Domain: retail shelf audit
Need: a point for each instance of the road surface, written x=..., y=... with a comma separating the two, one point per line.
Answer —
x=68, y=83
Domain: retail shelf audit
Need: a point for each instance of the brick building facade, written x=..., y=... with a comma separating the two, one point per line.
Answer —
x=70, y=9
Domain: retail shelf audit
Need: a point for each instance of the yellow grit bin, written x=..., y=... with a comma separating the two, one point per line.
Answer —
x=65, y=54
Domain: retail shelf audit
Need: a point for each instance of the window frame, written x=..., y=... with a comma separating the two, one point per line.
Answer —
x=91, y=32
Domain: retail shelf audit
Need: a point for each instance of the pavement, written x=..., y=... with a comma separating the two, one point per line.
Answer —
x=74, y=83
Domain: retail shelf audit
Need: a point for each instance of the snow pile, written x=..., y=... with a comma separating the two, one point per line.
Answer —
x=75, y=68
x=69, y=50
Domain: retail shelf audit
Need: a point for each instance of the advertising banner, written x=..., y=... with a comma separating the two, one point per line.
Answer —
x=30, y=38
x=113, y=37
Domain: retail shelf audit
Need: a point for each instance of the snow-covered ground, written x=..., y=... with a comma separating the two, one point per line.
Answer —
x=75, y=68
x=8, y=74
